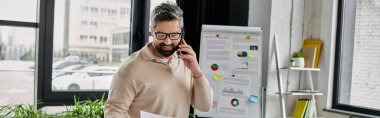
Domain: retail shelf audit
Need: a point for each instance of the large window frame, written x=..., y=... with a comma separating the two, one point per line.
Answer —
x=23, y=24
x=346, y=8
x=18, y=24
x=139, y=36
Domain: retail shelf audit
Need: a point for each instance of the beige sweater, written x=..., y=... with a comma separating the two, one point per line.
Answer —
x=146, y=83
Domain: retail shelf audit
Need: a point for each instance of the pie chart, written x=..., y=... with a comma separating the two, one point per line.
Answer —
x=242, y=54
x=214, y=67
x=235, y=102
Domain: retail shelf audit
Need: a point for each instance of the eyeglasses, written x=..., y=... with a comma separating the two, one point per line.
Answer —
x=172, y=36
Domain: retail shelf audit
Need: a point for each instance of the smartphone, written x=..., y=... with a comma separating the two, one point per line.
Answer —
x=181, y=42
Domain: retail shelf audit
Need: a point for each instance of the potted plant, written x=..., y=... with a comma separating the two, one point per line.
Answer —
x=298, y=59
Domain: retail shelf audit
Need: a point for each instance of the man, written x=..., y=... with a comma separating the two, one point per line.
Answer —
x=156, y=79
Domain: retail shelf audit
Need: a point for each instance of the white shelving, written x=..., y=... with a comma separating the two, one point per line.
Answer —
x=281, y=93
x=301, y=93
x=301, y=69
x=310, y=92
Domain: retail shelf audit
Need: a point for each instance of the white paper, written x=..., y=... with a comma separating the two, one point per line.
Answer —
x=234, y=88
x=231, y=61
x=144, y=114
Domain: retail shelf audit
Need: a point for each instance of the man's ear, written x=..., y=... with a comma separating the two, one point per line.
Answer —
x=151, y=32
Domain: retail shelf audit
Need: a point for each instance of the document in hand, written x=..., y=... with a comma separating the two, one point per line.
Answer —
x=144, y=114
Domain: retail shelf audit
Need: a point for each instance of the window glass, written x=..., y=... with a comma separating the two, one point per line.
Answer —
x=17, y=59
x=18, y=10
x=360, y=55
x=91, y=39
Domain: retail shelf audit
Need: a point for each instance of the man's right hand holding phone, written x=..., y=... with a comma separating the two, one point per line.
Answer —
x=190, y=59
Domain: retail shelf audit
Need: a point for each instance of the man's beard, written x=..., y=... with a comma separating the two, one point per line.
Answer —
x=163, y=52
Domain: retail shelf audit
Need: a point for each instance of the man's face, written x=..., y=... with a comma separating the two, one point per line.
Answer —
x=166, y=37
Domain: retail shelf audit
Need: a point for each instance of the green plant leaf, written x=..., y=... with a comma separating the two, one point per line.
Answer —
x=297, y=54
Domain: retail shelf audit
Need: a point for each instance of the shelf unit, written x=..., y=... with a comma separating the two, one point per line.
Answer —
x=281, y=93
x=308, y=73
x=301, y=93
x=312, y=92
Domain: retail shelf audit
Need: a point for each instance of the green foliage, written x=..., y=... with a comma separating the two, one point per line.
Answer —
x=28, y=56
x=86, y=108
x=2, y=46
x=81, y=109
x=5, y=111
x=28, y=111
x=297, y=54
x=22, y=111
x=192, y=115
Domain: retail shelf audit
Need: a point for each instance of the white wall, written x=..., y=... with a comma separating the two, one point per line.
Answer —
x=292, y=21
x=261, y=8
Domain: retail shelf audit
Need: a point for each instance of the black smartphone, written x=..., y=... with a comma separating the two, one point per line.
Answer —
x=181, y=42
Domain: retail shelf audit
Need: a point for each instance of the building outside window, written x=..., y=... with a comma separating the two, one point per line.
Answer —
x=17, y=51
x=93, y=49
x=358, y=57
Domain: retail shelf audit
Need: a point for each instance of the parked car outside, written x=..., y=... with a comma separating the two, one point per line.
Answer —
x=69, y=70
x=88, y=78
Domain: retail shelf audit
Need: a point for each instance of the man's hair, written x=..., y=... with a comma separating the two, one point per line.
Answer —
x=166, y=11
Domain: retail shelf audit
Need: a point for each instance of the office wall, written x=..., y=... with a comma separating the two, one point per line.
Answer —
x=292, y=21
x=259, y=16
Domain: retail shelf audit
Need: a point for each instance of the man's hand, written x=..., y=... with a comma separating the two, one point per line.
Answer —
x=190, y=59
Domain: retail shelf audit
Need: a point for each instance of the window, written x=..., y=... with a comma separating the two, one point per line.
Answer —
x=121, y=38
x=18, y=29
x=93, y=38
x=84, y=9
x=114, y=12
x=93, y=24
x=84, y=24
x=124, y=12
x=83, y=38
x=12, y=10
x=94, y=10
x=103, y=39
x=81, y=60
x=17, y=59
x=118, y=54
x=357, y=69
x=103, y=11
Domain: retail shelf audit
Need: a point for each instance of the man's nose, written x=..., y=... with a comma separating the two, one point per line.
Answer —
x=167, y=41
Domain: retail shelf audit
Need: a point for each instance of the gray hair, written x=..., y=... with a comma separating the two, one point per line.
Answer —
x=166, y=11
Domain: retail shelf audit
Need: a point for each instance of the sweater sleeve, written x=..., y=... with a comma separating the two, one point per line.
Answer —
x=202, y=94
x=120, y=97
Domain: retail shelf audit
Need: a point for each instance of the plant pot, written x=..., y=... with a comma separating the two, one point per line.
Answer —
x=299, y=62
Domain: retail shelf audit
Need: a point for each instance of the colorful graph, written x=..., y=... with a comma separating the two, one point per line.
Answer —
x=217, y=77
x=228, y=50
x=248, y=37
x=250, y=55
x=233, y=91
x=235, y=102
x=214, y=104
x=242, y=54
x=214, y=67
